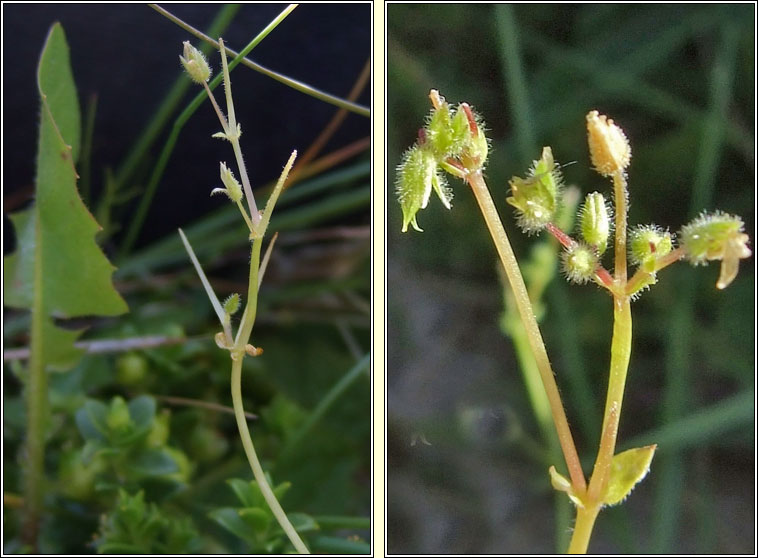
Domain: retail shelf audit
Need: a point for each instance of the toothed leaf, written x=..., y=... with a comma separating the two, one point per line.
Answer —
x=58, y=269
x=627, y=469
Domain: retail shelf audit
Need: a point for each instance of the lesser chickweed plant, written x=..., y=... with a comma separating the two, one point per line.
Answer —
x=257, y=222
x=453, y=142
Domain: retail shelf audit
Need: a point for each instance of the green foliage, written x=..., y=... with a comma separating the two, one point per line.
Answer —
x=129, y=444
x=137, y=527
x=254, y=522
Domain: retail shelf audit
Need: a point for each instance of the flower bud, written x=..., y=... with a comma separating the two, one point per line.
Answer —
x=717, y=236
x=579, y=263
x=536, y=197
x=447, y=133
x=595, y=223
x=195, y=64
x=609, y=149
x=232, y=304
x=233, y=188
x=647, y=243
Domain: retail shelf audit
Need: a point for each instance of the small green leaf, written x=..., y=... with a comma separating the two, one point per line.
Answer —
x=92, y=421
x=154, y=463
x=627, y=469
x=230, y=520
x=245, y=492
x=259, y=519
x=142, y=411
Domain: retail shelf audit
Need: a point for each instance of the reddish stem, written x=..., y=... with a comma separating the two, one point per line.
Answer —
x=471, y=120
x=565, y=240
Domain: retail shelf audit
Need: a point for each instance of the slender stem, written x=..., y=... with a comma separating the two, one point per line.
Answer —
x=238, y=355
x=289, y=82
x=232, y=134
x=621, y=202
x=621, y=349
x=36, y=419
x=219, y=112
x=585, y=521
x=255, y=464
x=521, y=296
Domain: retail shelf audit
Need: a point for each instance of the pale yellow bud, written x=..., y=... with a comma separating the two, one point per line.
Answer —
x=609, y=149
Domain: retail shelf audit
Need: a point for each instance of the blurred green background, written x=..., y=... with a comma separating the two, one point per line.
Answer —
x=467, y=468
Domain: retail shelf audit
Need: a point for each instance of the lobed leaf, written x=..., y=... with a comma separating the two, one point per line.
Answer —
x=58, y=270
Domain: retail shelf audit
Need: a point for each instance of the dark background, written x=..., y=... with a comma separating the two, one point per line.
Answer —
x=128, y=55
x=482, y=486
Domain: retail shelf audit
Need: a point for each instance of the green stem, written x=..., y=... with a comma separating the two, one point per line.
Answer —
x=524, y=305
x=238, y=355
x=36, y=420
x=621, y=350
x=289, y=82
x=620, y=199
x=585, y=521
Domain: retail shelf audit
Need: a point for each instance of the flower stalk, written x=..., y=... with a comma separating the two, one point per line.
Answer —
x=453, y=142
x=239, y=346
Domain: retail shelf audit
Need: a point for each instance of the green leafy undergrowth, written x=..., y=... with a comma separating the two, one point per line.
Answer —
x=129, y=441
x=137, y=527
x=254, y=522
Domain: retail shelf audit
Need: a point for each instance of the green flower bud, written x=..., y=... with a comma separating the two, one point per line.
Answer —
x=536, y=197
x=232, y=304
x=446, y=133
x=647, y=243
x=416, y=177
x=717, y=236
x=233, y=188
x=195, y=64
x=579, y=263
x=595, y=222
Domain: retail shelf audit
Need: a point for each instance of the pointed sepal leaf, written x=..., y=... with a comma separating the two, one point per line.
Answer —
x=627, y=469
x=562, y=484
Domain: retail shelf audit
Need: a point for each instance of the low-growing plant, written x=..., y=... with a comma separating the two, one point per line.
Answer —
x=123, y=439
x=453, y=142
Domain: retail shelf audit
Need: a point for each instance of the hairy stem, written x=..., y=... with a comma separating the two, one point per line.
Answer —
x=521, y=296
x=238, y=355
x=585, y=521
x=36, y=419
x=621, y=349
